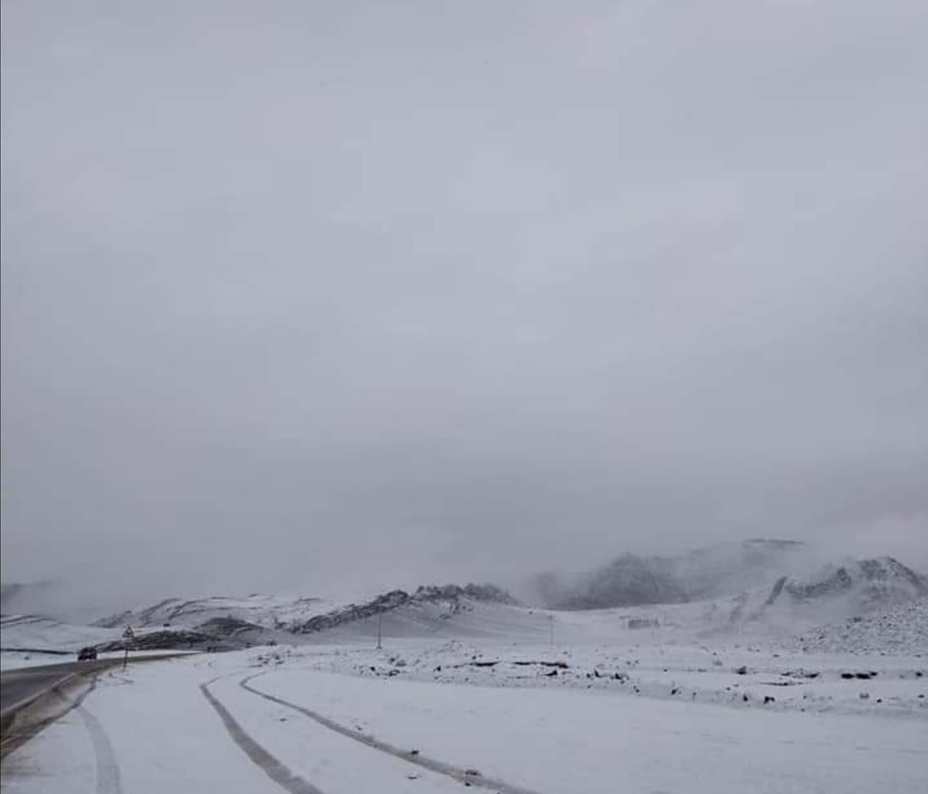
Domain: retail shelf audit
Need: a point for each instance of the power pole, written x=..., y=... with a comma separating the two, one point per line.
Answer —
x=379, y=632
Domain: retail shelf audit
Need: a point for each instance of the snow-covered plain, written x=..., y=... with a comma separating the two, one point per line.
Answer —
x=500, y=706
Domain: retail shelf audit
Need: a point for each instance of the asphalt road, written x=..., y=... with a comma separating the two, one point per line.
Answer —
x=19, y=685
x=22, y=683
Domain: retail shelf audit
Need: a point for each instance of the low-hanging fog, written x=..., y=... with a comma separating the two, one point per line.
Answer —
x=321, y=297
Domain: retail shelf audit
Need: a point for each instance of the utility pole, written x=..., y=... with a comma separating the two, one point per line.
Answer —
x=379, y=632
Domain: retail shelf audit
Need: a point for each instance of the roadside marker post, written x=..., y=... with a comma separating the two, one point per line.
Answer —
x=128, y=634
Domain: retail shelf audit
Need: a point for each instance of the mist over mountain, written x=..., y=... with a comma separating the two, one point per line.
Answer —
x=765, y=585
x=791, y=568
x=633, y=580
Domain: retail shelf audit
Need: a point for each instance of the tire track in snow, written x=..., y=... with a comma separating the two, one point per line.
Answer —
x=106, y=769
x=274, y=768
x=454, y=772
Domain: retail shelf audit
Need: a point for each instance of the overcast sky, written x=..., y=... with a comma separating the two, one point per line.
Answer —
x=301, y=295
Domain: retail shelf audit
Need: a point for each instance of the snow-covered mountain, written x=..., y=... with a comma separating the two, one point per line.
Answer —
x=266, y=611
x=795, y=604
x=712, y=572
x=220, y=622
x=449, y=599
x=750, y=588
x=854, y=587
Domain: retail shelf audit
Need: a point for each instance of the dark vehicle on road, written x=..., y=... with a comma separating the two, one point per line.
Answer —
x=88, y=654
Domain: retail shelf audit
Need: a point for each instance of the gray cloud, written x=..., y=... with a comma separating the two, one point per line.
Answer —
x=311, y=297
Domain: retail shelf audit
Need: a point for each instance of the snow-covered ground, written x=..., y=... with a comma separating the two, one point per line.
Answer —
x=900, y=629
x=427, y=715
x=739, y=677
x=514, y=699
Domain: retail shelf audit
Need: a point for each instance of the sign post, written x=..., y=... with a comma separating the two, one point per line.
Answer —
x=127, y=635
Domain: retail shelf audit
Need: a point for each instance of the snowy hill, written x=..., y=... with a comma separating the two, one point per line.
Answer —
x=266, y=611
x=34, y=632
x=794, y=604
x=748, y=595
x=221, y=622
x=701, y=574
x=853, y=588
x=860, y=592
x=215, y=622
x=764, y=577
x=297, y=614
x=900, y=629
